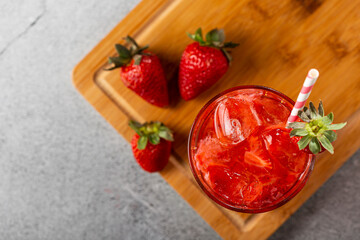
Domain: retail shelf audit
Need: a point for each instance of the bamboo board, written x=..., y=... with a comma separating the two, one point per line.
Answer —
x=279, y=41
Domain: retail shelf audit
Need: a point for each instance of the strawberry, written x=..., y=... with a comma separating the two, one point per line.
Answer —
x=152, y=156
x=203, y=63
x=316, y=133
x=141, y=71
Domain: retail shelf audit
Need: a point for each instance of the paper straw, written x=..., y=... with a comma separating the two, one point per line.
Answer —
x=304, y=94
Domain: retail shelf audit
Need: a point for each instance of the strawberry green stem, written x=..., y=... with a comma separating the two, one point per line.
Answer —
x=216, y=39
x=316, y=130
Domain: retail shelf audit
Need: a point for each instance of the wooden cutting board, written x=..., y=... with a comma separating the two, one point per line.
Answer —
x=280, y=40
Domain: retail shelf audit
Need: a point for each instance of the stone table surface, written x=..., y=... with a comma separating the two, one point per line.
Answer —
x=65, y=173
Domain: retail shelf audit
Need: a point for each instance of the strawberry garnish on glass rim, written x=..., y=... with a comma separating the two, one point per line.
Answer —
x=316, y=130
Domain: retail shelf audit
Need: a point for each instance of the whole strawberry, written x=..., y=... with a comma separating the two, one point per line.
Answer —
x=151, y=145
x=203, y=63
x=316, y=133
x=141, y=71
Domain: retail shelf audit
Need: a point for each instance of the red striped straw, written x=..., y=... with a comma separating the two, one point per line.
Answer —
x=304, y=94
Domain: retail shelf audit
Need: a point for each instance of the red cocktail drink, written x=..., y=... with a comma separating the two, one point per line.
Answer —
x=241, y=153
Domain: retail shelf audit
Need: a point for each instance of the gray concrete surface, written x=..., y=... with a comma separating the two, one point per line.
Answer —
x=66, y=174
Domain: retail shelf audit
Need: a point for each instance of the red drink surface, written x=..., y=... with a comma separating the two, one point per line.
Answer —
x=242, y=153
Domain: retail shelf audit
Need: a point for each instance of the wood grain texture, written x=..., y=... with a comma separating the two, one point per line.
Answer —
x=280, y=40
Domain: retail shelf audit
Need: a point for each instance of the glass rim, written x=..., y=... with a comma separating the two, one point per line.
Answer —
x=211, y=195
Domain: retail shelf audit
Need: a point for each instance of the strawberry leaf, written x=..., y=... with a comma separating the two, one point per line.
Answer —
x=142, y=142
x=303, y=116
x=216, y=37
x=297, y=125
x=227, y=55
x=230, y=45
x=142, y=49
x=337, y=126
x=137, y=59
x=165, y=133
x=115, y=60
x=125, y=55
x=321, y=109
x=197, y=36
x=314, y=146
x=122, y=51
x=326, y=144
x=151, y=131
x=304, y=141
x=192, y=36
x=198, y=33
x=136, y=127
x=166, y=136
x=307, y=112
x=330, y=135
x=220, y=35
x=131, y=41
x=154, y=139
x=328, y=119
x=313, y=110
x=298, y=132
